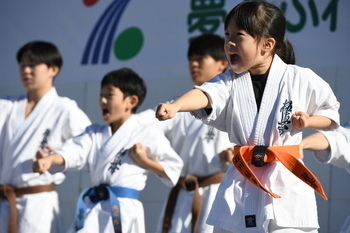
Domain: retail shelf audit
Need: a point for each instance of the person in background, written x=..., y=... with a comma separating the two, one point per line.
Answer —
x=43, y=120
x=118, y=155
x=331, y=147
x=264, y=102
x=201, y=147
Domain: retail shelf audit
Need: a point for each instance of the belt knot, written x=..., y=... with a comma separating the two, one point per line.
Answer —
x=189, y=183
x=260, y=155
x=6, y=191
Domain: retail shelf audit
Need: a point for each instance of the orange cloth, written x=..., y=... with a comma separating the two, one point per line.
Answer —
x=287, y=155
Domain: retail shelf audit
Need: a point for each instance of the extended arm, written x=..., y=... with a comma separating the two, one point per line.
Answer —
x=193, y=100
x=43, y=164
x=316, y=142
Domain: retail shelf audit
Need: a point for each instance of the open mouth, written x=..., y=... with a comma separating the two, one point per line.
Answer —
x=105, y=112
x=234, y=58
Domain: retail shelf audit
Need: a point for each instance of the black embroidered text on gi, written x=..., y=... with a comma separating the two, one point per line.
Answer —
x=116, y=163
x=43, y=142
x=285, y=117
x=210, y=134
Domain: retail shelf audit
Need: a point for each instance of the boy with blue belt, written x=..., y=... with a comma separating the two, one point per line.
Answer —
x=118, y=156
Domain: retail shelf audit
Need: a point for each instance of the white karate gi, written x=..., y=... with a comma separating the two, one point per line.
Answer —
x=101, y=153
x=199, y=146
x=338, y=155
x=20, y=140
x=289, y=88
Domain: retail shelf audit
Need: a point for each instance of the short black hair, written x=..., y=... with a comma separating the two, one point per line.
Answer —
x=207, y=44
x=129, y=82
x=40, y=52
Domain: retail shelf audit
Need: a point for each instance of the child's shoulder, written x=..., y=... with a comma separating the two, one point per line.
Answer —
x=66, y=102
x=299, y=69
x=96, y=128
x=9, y=99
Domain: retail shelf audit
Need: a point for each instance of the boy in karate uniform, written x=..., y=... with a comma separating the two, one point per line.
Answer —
x=118, y=156
x=39, y=119
x=201, y=147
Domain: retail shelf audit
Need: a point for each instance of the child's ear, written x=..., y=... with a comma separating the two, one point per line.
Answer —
x=269, y=44
x=54, y=71
x=224, y=64
x=133, y=101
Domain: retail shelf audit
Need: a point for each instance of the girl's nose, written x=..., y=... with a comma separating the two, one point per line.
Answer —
x=231, y=44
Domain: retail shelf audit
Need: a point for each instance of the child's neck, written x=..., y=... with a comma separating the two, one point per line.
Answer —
x=36, y=95
x=33, y=97
x=117, y=124
x=263, y=67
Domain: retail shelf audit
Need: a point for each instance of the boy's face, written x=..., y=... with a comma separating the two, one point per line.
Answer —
x=36, y=76
x=204, y=68
x=115, y=108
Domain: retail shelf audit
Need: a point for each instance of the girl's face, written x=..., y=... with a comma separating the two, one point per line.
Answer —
x=204, y=68
x=115, y=108
x=244, y=52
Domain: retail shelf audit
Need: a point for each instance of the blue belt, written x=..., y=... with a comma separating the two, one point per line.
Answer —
x=99, y=193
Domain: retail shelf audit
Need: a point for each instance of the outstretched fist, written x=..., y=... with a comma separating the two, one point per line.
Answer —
x=165, y=111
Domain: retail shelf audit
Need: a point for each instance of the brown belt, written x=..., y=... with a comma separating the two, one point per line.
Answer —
x=287, y=155
x=10, y=193
x=189, y=183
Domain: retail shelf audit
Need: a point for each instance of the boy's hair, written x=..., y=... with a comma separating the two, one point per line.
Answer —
x=261, y=19
x=129, y=82
x=207, y=44
x=40, y=52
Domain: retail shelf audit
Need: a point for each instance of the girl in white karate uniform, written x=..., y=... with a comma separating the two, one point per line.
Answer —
x=263, y=102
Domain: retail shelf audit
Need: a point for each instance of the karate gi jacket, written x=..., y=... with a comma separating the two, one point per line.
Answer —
x=289, y=88
x=54, y=120
x=106, y=158
x=339, y=153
